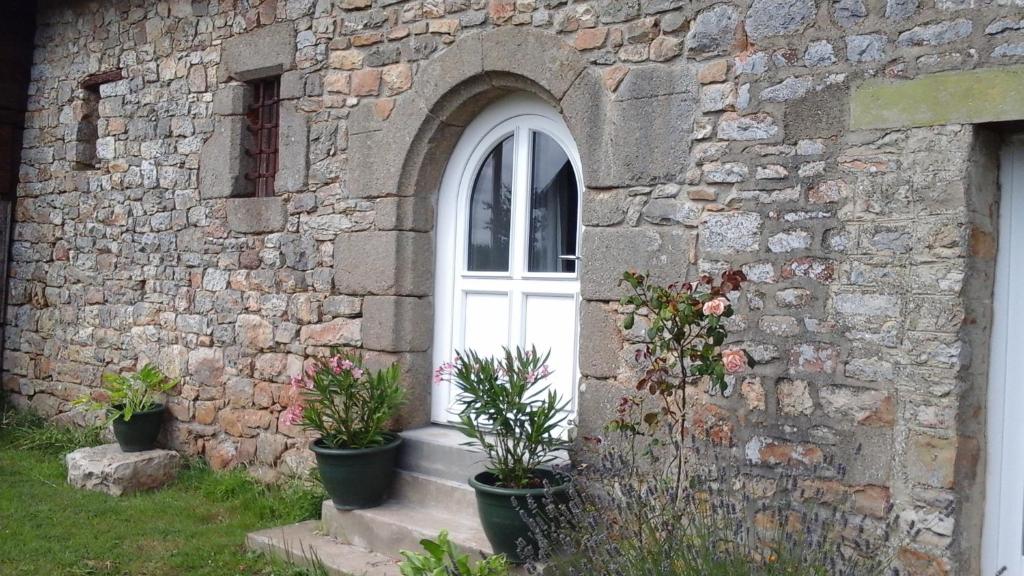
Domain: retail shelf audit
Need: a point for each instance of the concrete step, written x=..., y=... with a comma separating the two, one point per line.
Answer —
x=400, y=525
x=431, y=493
x=304, y=544
x=438, y=451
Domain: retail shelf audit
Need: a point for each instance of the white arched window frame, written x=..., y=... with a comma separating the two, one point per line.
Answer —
x=518, y=116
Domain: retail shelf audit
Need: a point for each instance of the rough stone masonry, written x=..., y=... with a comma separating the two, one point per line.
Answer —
x=712, y=135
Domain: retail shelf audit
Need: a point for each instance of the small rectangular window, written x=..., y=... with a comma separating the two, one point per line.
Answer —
x=83, y=150
x=263, y=117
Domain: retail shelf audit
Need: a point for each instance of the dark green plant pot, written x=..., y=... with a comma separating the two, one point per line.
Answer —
x=357, y=478
x=501, y=510
x=139, y=433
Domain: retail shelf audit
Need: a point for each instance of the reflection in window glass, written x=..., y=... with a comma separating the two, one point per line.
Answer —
x=553, y=208
x=490, y=211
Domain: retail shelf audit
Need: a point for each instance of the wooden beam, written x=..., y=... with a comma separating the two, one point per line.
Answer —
x=93, y=81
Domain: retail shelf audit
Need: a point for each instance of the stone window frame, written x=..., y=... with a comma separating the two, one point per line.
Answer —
x=258, y=54
x=82, y=144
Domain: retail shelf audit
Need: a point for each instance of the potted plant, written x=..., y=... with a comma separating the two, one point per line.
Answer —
x=349, y=407
x=516, y=419
x=132, y=405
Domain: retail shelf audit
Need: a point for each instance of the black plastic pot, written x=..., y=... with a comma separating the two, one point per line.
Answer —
x=357, y=478
x=501, y=509
x=139, y=433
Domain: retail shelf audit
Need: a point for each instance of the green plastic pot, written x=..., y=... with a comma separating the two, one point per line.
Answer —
x=501, y=510
x=357, y=478
x=139, y=434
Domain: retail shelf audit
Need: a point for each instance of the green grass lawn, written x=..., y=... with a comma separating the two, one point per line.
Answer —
x=195, y=526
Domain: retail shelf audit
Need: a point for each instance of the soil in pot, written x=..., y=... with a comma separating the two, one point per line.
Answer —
x=501, y=509
x=357, y=478
x=139, y=433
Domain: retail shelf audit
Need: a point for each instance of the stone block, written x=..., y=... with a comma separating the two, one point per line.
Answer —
x=713, y=33
x=385, y=262
x=397, y=323
x=599, y=330
x=937, y=99
x=256, y=215
x=416, y=371
x=730, y=232
x=263, y=52
x=107, y=469
x=608, y=252
x=221, y=165
x=540, y=56
x=293, y=144
x=337, y=332
x=415, y=214
x=231, y=99
x=932, y=460
x=639, y=136
x=768, y=18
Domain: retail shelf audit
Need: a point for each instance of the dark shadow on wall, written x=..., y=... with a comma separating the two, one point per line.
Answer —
x=17, y=34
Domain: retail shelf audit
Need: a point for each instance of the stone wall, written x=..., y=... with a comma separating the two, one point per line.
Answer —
x=711, y=135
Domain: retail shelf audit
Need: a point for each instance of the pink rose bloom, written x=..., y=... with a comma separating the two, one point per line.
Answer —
x=715, y=307
x=734, y=360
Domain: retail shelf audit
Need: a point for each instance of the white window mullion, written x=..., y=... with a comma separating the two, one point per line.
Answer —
x=520, y=236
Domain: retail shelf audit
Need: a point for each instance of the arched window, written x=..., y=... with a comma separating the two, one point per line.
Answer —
x=508, y=229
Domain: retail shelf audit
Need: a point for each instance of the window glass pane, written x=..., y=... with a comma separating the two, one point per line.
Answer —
x=490, y=211
x=553, y=208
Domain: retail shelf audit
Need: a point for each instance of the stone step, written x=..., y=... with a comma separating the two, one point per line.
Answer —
x=438, y=451
x=304, y=544
x=431, y=493
x=400, y=525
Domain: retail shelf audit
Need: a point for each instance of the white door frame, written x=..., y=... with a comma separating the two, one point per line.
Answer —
x=522, y=111
x=1003, y=537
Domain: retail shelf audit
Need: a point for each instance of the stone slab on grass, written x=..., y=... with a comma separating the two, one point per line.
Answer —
x=108, y=469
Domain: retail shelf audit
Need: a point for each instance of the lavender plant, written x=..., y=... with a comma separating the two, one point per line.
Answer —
x=724, y=521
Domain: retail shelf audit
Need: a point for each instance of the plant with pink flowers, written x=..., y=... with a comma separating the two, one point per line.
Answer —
x=681, y=346
x=509, y=411
x=349, y=405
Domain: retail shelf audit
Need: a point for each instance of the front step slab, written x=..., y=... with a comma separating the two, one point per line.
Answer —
x=447, y=497
x=303, y=543
x=439, y=451
x=397, y=525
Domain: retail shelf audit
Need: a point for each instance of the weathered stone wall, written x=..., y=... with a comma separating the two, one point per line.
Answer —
x=711, y=135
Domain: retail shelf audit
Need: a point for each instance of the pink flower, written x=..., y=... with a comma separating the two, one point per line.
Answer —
x=734, y=360
x=715, y=307
x=292, y=415
x=443, y=372
x=311, y=370
x=298, y=382
x=335, y=364
x=347, y=364
x=357, y=373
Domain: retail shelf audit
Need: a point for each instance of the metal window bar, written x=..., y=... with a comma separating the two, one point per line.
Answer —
x=263, y=120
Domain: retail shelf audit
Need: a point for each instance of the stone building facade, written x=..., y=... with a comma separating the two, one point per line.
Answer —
x=842, y=153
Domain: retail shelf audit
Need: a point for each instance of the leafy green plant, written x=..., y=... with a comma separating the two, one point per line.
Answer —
x=508, y=411
x=681, y=345
x=348, y=405
x=441, y=559
x=125, y=395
